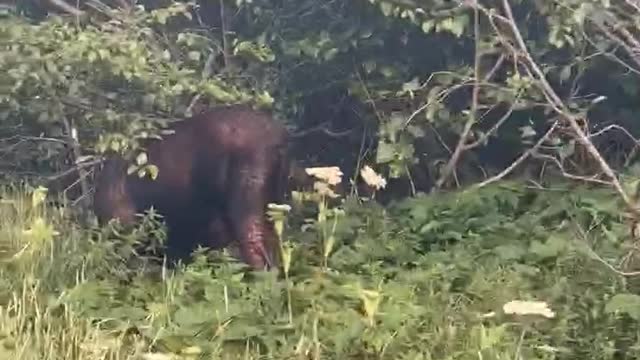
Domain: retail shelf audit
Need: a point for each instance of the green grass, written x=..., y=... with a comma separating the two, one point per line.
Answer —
x=422, y=279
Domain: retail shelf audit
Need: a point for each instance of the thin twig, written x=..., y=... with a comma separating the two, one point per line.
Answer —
x=206, y=72
x=62, y=5
x=617, y=127
x=570, y=175
x=460, y=147
x=493, y=129
x=321, y=128
x=439, y=97
x=583, y=236
x=223, y=30
x=519, y=160
x=74, y=168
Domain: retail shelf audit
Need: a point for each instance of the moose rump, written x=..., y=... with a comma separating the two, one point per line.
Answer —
x=218, y=171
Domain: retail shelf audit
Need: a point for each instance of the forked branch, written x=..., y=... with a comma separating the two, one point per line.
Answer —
x=510, y=36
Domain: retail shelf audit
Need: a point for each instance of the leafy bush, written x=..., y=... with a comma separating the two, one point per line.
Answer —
x=424, y=278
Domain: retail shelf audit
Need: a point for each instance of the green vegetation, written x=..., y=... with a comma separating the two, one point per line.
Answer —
x=518, y=118
x=418, y=280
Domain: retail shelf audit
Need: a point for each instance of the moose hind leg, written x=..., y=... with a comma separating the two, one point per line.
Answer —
x=214, y=231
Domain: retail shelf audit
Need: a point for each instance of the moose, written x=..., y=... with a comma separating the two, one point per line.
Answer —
x=217, y=172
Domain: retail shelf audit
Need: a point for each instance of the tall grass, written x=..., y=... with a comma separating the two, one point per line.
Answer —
x=426, y=279
x=42, y=255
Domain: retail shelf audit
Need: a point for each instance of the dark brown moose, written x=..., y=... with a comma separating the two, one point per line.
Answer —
x=217, y=173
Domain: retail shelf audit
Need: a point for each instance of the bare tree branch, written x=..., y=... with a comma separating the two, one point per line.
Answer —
x=460, y=147
x=520, y=159
x=493, y=129
x=580, y=233
x=321, y=128
x=568, y=174
x=561, y=109
x=64, y=6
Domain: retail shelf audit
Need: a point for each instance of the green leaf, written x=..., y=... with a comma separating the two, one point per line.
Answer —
x=386, y=8
x=264, y=99
x=153, y=171
x=385, y=152
x=412, y=85
x=624, y=303
x=457, y=25
x=193, y=315
x=330, y=54
x=510, y=252
x=141, y=159
x=428, y=26
x=194, y=55
x=553, y=247
x=131, y=169
x=565, y=74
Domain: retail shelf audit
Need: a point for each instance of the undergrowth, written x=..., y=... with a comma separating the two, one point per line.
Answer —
x=424, y=278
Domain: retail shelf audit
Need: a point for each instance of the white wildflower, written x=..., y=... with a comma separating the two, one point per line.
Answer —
x=159, y=356
x=372, y=178
x=324, y=189
x=490, y=314
x=279, y=207
x=518, y=307
x=332, y=175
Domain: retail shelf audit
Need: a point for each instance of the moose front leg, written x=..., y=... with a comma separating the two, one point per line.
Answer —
x=249, y=182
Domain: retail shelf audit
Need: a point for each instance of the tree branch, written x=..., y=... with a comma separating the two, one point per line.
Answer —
x=62, y=5
x=460, y=147
x=520, y=159
x=561, y=109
